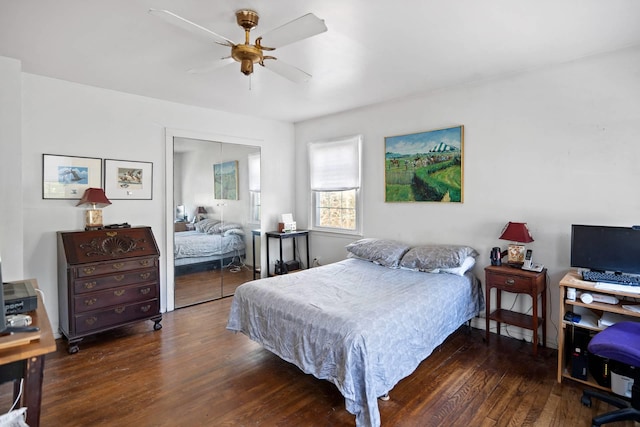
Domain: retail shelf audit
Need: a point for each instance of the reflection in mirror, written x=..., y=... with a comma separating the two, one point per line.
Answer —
x=218, y=187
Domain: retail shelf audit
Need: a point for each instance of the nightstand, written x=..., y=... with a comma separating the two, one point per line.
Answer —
x=517, y=281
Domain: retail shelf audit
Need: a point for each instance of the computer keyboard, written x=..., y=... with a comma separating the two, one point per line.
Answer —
x=617, y=279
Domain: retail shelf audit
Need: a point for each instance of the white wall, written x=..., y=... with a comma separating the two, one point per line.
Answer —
x=65, y=118
x=551, y=147
x=11, y=217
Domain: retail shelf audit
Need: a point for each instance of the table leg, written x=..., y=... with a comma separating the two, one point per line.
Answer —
x=33, y=375
x=544, y=314
x=487, y=304
x=498, y=306
x=534, y=296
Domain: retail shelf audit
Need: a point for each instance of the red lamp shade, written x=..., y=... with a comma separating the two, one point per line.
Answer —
x=516, y=232
x=94, y=197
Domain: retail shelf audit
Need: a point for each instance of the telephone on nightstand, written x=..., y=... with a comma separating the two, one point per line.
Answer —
x=529, y=264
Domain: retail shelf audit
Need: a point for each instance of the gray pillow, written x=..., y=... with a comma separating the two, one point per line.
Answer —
x=205, y=225
x=431, y=257
x=384, y=252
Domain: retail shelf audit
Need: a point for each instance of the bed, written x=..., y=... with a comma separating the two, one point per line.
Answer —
x=363, y=323
x=212, y=244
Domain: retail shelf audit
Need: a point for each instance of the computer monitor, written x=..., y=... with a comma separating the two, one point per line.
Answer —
x=603, y=248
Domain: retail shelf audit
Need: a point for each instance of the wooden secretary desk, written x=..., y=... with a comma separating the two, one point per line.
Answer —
x=106, y=278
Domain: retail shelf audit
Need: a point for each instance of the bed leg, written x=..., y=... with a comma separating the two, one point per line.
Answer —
x=384, y=397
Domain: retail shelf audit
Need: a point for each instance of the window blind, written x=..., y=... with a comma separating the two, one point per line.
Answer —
x=335, y=165
x=254, y=171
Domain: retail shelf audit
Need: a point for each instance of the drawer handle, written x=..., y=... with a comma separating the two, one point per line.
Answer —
x=119, y=292
x=145, y=291
x=145, y=262
x=90, y=321
x=118, y=265
x=145, y=308
x=510, y=282
x=89, y=285
x=89, y=270
x=119, y=277
x=119, y=310
x=145, y=275
x=90, y=301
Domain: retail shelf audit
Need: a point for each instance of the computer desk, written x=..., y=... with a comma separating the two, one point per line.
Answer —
x=22, y=357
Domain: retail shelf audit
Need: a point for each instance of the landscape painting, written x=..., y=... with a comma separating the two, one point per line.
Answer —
x=425, y=167
x=225, y=180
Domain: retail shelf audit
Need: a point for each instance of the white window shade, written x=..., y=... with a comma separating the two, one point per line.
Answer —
x=254, y=172
x=335, y=165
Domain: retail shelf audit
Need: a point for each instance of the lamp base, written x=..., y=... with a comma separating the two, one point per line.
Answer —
x=516, y=254
x=93, y=219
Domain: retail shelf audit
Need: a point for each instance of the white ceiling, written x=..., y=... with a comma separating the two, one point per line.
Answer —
x=373, y=51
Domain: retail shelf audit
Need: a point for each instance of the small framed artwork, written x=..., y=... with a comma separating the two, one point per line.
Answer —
x=67, y=177
x=225, y=180
x=128, y=180
x=425, y=167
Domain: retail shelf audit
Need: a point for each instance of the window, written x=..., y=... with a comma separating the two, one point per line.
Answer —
x=254, y=187
x=334, y=168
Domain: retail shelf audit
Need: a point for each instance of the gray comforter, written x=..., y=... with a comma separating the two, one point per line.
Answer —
x=361, y=326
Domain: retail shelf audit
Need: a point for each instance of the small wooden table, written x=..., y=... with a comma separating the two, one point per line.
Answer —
x=22, y=356
x=286, y=235
x=515, y=280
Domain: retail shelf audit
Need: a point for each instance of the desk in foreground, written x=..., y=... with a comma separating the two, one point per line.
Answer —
x=22, y=356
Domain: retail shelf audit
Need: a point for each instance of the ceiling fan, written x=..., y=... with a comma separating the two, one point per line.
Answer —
x=248, y=54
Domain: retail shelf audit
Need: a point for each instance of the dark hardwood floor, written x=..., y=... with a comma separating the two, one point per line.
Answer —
x=194, y=372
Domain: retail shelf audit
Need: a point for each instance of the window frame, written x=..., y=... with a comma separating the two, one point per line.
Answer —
x=316, y=194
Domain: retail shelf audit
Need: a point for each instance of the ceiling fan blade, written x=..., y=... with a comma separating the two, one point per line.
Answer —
x=212, y=66
x=192, y=27
x=306, y=26
x=287, y=71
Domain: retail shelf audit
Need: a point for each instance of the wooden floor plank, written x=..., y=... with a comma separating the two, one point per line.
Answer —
x=195, y=372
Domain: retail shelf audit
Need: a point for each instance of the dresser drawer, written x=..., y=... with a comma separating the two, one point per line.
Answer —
x=115, y=266
x=117, y=280
x=115, y=296
x=104, y=319
x=509, y=282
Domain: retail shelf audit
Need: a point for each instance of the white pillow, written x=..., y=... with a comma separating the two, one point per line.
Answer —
x=466, y=265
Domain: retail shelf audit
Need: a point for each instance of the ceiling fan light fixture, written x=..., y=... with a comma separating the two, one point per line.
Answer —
x=246, y=66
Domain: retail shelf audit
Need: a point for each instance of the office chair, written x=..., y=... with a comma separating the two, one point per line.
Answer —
x=621, y=343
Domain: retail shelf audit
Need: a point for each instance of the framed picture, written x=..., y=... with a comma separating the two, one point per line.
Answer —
x=225, y=180
x=128, y=180
x=67, y=177
x=425, y=167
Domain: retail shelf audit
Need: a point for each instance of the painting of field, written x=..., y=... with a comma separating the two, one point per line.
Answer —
x=425, y=167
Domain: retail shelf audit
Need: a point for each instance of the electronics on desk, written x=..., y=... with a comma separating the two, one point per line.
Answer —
x=19, y=297
x=605, y=249
x=5, y=327
x=579, y=355
x=529, y=264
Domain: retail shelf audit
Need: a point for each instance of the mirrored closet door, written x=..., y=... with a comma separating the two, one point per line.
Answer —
x=217, y=205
